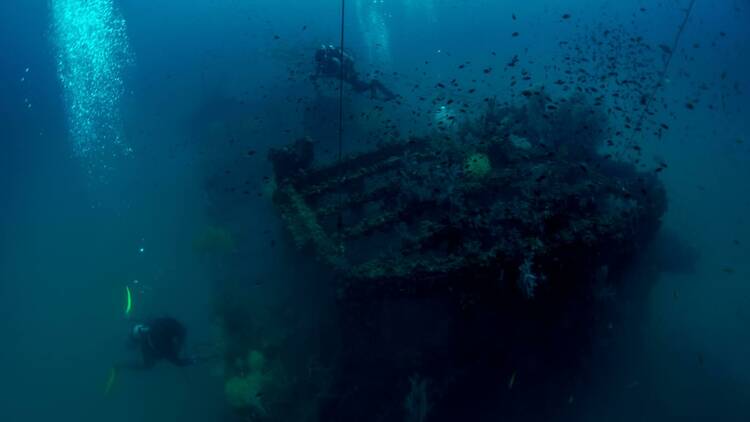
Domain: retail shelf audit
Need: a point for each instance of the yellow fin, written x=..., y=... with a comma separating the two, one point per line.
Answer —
x=128, y=301
x=110, y=380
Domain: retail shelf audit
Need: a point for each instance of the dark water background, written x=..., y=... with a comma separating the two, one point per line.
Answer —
x=70, y=241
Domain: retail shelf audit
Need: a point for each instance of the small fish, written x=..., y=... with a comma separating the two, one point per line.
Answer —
x=515, y=34
x=512, y=380
x=728, y=270
x=514, y=16
x=251, y=152
x=276, y=37
x=566, y=16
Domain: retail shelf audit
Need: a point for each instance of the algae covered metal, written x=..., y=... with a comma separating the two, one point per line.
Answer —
x=521, y=201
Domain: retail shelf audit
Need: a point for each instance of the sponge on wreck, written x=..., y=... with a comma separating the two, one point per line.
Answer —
x=244, y=392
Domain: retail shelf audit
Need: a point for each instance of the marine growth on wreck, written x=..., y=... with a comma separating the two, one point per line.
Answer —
x=519, y=224
x=523, y=198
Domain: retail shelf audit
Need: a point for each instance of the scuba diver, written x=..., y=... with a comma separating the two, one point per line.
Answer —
x=158, y=339
x=328, y=64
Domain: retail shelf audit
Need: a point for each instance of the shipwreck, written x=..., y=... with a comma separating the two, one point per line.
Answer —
x=484, y=250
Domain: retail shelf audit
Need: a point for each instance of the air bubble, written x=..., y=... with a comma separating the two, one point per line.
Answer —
x=93, y=52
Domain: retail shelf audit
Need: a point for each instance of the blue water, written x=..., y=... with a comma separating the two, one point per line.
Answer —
x=203, y=82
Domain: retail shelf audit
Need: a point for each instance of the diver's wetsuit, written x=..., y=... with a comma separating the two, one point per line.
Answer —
x=328, y=65
x=159, y=339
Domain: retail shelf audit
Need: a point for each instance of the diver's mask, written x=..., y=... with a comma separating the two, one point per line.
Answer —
x=139, y=331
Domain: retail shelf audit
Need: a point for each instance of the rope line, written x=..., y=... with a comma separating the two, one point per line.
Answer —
x=340, y=218
x=341, y=81
x=664, y=70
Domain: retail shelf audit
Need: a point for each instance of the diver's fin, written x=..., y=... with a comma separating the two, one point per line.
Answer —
x=128, y=301
x=110, y=380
